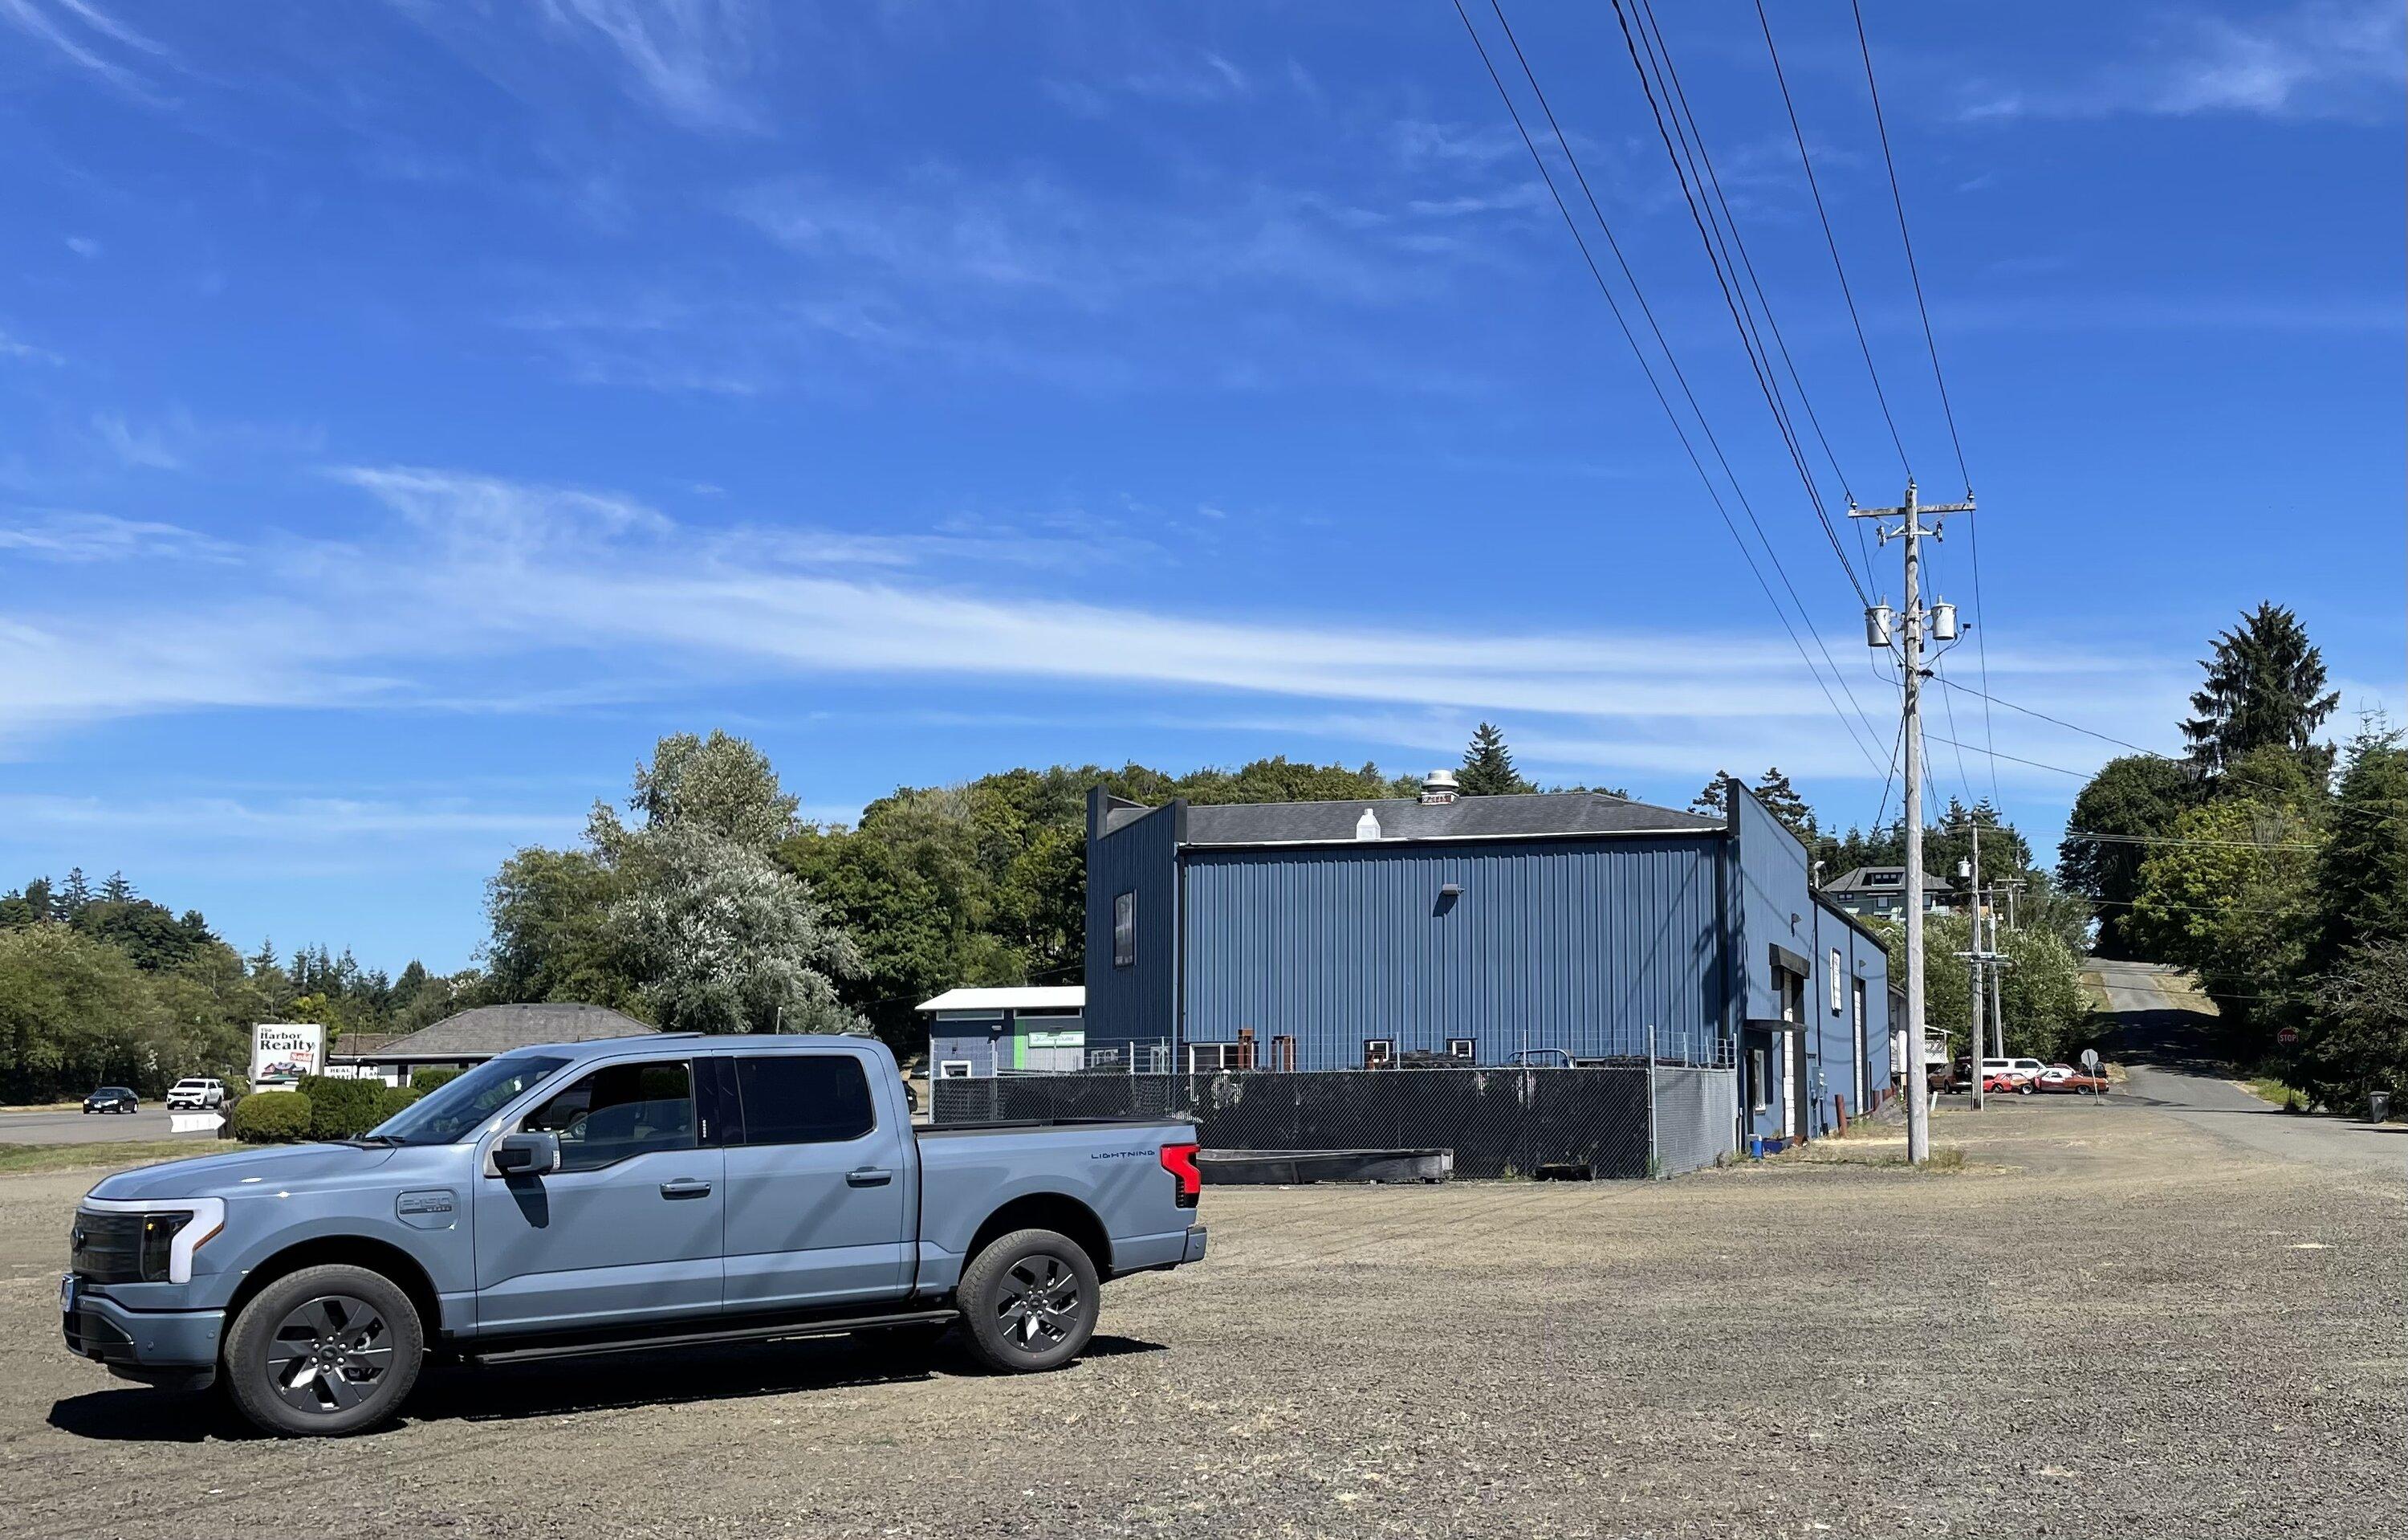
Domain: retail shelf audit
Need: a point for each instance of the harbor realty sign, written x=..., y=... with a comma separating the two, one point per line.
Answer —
x=281, y=1052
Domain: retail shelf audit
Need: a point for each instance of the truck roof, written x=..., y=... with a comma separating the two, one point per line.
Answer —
x=720, y=1043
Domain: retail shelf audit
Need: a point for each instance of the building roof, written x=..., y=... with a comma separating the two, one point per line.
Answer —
x=1520, y=816
x=1059, y=998
x=363, y=1045
x=491, y=1029
x=1880, y=879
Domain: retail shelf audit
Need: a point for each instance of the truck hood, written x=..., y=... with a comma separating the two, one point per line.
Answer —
x=282, y=1168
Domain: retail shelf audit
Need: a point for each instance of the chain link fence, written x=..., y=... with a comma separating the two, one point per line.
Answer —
x=1611, y=1121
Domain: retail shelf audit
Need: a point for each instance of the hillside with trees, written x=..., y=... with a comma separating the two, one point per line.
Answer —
x=2271, y=864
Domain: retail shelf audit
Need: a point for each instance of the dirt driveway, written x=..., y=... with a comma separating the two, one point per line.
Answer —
x=2114, y=1322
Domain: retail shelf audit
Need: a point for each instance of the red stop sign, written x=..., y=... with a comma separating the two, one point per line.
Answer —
x=2287, y=1036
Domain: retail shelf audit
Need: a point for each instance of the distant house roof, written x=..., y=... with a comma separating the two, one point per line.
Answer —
x=1056, y=999
x=491, y=1029
x=1880, y=879
x=363, y=1045
x=1520, y=816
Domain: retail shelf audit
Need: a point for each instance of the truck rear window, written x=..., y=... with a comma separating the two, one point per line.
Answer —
x=803, y=1099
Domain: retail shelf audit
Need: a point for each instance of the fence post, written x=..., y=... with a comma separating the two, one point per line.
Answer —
x=1654, y=1164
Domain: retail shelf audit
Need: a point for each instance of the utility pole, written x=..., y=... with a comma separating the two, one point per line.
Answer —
x=1997, y=966
x=1877, y=633
x=1973, y=962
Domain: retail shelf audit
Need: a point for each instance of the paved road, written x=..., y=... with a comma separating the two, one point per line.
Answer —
x=78, y=1128
x=2164, y=1039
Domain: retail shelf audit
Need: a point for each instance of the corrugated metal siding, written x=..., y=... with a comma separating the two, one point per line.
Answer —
x=1133, y=1005
x=974, y=1041
x=1577, y=944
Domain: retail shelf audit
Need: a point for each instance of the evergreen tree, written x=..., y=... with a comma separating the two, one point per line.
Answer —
x=73, y=895
x=117, y=889
x=1714, y=799
x=1488, y=766
x=2265, y=687
x=2361, y=883
x=2137, y=797
x=1782, y=800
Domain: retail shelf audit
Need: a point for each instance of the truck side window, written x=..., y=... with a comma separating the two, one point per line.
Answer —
x=803, y=1099
x=618, y=1111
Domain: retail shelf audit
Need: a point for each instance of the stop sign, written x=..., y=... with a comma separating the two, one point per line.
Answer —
x=2287, y=1036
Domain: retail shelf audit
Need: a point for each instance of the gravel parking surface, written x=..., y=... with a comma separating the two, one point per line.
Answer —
x=2111, y=1322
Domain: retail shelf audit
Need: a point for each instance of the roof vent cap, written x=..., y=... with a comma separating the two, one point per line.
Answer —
x=1439, y=789
x=1368, y=826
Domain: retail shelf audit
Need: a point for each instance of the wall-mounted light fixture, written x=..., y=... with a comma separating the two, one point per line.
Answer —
x=1451, y=890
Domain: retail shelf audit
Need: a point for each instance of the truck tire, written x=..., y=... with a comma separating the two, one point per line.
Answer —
x=323, y=1351
x=1029, y=1302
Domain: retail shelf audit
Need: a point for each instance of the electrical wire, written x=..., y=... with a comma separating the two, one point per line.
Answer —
x=1831, y=241
x=1693, y=178
x=1597, y=275
x=2181, y=840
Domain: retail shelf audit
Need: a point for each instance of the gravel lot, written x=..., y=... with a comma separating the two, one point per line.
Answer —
x=2111, y=1322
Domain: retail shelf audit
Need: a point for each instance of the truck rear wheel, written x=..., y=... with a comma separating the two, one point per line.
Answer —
x=326, y=1350
x=1029, y=1302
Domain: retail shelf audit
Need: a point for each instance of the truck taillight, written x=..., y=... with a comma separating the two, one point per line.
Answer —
x=1179, y=1161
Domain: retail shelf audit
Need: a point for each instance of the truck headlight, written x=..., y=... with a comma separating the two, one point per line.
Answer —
x=159, y=1232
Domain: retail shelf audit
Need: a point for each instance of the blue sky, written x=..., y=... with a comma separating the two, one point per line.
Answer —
x=413, y=411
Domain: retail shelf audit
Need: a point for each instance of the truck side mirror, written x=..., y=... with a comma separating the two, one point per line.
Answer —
x=526, y=1154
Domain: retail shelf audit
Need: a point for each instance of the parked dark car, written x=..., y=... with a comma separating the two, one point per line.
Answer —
x=111, y=1098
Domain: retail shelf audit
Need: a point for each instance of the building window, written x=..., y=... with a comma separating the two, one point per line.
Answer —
x=953, y=1069
x=1463, y=1048
x=1207, y=1058
x=1839, y=977
x=1124, y=931
x=1379, y=1052
x=1757, y=1076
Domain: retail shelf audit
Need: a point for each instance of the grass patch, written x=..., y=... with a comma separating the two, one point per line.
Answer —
x=15, y=1159
x=2273, y=1088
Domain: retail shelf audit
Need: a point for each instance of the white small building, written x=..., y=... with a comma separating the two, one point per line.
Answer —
x=984, y=1031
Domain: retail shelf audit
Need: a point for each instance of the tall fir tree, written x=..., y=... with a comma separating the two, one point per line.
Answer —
x=2362, y=885
x=1488, y=766
x=2265, y=687
x=1782, y=800
x=1714, y=799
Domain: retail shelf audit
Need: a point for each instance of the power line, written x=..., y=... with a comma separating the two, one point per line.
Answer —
x=2079, y=775
x=1597, y=275
x=1898, y=202
x=1831, y=241
x=2179, y=839
x=1694, y=177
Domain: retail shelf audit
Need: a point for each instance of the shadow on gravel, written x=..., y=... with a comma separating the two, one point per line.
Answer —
x=670, y=1378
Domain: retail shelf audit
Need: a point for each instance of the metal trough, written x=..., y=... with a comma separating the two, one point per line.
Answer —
x=1298, y=1168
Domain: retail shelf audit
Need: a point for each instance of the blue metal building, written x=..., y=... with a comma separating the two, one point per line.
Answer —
x=1546, y=928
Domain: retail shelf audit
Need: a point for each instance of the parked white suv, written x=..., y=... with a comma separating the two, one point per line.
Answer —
x=196, y=1091
x=2024, y=1071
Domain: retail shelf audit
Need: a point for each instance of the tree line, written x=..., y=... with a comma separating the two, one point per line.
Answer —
x=2271, y=865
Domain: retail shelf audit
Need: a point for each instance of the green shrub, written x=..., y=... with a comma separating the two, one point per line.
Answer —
x=271, y=1117
x=392, y=1098
x=341, y=1109
x=423, y=1081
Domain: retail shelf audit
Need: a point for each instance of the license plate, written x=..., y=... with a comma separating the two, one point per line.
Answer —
x=67, y=1295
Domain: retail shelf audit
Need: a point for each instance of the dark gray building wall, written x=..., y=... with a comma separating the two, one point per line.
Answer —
x=974, y=1041
x=1135, y=1006
x=1571, y=944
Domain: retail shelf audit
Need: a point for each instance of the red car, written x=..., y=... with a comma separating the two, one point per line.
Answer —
x=2065, y=1077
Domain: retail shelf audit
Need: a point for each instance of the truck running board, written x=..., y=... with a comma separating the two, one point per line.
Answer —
x=808, y=1328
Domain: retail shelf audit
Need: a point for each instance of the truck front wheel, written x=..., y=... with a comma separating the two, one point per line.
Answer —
x=1029, y=1300
x=326, y=1350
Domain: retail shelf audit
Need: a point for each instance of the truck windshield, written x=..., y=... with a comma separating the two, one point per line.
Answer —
x=459, y=1107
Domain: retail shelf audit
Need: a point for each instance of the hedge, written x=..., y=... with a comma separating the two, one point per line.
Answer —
x=423, y=1081
x=271, y=1117
x=342, y=1109
x=392, y=1098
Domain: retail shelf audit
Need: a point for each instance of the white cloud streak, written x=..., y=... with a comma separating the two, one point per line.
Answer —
x=2324, y=59
x=489, y=590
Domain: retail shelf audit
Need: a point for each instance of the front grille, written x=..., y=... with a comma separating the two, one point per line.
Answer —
x=105, y=1248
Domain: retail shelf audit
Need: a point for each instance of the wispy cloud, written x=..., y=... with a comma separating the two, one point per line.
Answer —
x=483, y=580
x=87, y=37
x=68, y=536
x=146, y=449
x=25, y=352
x=688, y=58
x=2322, y=59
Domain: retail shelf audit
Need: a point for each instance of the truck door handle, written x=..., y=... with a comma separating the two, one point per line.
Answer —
x=868, y=1176
x=685, y=1187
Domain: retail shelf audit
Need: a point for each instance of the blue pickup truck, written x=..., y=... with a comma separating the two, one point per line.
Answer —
x=631, y=1193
